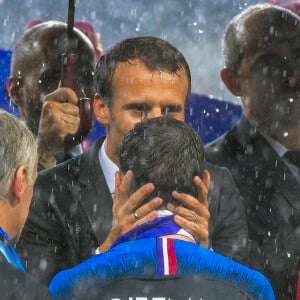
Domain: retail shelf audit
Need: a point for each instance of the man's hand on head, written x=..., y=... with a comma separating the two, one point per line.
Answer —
x=59, y=118
x=127, y=213
x=193, y=214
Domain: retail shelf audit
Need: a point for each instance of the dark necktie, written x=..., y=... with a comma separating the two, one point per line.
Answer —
x=293, y=157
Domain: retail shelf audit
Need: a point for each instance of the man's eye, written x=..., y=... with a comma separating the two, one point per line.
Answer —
x=140, y=108
x=170, y=109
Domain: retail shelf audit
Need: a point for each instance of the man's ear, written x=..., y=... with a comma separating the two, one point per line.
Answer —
x=19, y=184
x=231, y=80
x=101, y=110
x=13, y=88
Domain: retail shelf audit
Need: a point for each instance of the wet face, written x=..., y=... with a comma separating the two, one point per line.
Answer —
x=138, y=93
x=270, y=83
x=42, y=75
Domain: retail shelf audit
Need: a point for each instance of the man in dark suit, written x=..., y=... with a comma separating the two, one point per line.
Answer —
x=18, y=172
x=261, y=49
x=72, y=210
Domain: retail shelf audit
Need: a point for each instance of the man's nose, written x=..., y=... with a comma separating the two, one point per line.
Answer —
x=154, y=113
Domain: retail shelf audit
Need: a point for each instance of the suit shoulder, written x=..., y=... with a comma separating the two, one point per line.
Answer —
x=216, y=170
x=223, y=150
x=67, y=168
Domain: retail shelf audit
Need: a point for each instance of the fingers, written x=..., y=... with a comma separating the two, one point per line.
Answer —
x=197, y=229
x=189, y=203
x=144, y=213
x=57, y=121
x=61, y=107
x=122, y=186
x=130, y=202
x=200, y=215
x=140, y=195
x=127, y=213
x=62, y=95
x=62, y=117
x=202, y=187
x=193, y=214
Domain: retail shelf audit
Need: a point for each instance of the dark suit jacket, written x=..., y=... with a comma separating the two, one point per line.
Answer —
x=272, y=199
x=16, y=284
x=71, y=214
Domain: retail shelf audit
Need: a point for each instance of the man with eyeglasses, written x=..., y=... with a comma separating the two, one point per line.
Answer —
x=261, y=48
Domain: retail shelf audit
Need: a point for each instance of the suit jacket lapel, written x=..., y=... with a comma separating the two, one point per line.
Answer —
x=271, y=165
x=96, y=199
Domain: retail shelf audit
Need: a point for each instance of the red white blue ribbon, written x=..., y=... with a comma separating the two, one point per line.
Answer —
x=166, y=256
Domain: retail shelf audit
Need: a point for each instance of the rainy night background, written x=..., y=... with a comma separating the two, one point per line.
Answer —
x=195, y=27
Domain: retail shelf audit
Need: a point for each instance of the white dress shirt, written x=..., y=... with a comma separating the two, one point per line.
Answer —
x=109, y=168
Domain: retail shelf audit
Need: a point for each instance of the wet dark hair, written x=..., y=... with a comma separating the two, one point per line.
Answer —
x=155, y=53
x=166, y=152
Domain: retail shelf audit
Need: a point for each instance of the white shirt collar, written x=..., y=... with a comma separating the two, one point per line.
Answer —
x=109, y=168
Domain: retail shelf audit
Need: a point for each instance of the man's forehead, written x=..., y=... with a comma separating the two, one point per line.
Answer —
x=137, y=66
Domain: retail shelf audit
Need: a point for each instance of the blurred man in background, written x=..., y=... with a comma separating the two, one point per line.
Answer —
x=261, y=48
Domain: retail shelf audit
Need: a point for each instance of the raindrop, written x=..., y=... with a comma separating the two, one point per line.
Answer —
x=93, y=15
x=288, y=254
x=138, y=27
x=191, y=111
x=43, y=264
x=95, y=208
x=291, y=100
x=286, y=134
